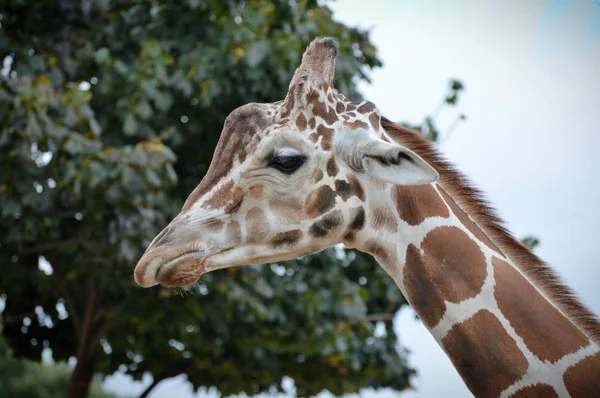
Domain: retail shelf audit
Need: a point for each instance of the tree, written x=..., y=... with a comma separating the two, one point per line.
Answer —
x=109, y=112
x=24, y=378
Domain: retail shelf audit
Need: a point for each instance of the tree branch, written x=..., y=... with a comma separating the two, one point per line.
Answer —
x=18, y=318
x=155, y=381
x=95, y=340
x=69, y=303
x=108, y=324
x=383, y=317
x=48, y=246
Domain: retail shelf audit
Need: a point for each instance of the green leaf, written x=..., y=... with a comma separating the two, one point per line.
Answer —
x=256, y=52
x=130, y=124
x=102, y=55
x=143, y=109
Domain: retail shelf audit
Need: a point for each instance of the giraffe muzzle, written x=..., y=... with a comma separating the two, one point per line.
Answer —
x=169, y=267
x=175, y=257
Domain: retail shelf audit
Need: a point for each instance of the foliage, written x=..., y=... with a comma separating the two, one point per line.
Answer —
x=109, y=112
x=429, y=127
x=530, y=242
x=25, y=378
x=10, y=367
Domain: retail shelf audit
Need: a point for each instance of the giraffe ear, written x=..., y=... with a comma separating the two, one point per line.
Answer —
x=395, y=164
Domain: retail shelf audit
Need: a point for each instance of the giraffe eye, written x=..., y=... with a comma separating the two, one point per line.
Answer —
x=287, y=164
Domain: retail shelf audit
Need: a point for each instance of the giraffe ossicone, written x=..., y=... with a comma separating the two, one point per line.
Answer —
x=297, y=176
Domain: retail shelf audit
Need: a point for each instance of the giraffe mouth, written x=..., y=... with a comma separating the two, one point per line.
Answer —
x=182, y=270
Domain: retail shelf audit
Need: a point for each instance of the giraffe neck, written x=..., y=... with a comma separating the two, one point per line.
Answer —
x=501, y=333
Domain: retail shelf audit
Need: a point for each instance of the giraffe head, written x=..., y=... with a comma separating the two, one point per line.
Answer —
x=287, y=179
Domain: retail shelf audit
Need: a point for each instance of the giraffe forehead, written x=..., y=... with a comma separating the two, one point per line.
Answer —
x=240, y=132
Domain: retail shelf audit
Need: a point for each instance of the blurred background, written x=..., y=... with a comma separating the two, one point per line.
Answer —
x=109, y=113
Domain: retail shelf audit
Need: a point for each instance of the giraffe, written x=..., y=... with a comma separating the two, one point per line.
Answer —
x=296, y=176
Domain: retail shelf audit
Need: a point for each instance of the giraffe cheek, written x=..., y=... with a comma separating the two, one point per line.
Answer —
x=288, y=211
x=257, y=225
x=256, y=191
x=234, y=233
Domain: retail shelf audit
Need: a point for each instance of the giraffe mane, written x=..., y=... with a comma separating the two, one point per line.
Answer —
x=473, y=201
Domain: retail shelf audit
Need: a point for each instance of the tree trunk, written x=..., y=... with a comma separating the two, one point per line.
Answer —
x=88, y=342
x=81, y=379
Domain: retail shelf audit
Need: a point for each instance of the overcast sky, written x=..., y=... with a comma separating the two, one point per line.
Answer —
x=531, y=140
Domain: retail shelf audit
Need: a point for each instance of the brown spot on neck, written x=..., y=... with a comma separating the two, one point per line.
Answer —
x=545, y=331
x=366, y=107
x=357, y=124
x=472, y=200
x=484, y=354
x=374, y=120
x=583, y=379
x=384, y=253
x=420, y=292
x=357, y=215
x=536, y=391
x=467, y=222
x=415, y=204
x=453, y=268
x=356, y=187
x=381, y=217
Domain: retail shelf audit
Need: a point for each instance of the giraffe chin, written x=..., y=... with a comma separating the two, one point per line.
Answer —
x=181, y=271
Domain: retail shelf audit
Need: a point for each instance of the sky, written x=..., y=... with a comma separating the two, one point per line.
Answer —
x=531, y=139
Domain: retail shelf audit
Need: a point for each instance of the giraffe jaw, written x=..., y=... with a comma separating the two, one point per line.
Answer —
x=245, y=255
